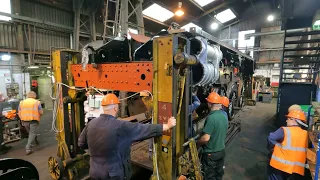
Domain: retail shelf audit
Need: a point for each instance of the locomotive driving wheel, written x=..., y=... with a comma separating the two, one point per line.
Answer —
x=55, y=167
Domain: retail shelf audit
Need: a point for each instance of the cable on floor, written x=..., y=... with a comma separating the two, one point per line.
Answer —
x=251, y=149
x=254, y=150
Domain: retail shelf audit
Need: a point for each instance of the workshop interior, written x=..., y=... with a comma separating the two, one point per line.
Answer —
x=66, y=56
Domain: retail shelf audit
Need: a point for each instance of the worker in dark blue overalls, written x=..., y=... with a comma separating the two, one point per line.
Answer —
x=109, y=141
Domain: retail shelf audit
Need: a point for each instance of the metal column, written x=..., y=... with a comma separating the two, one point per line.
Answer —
x=124, y=18
x=93, y=26
x=139, y=17
x=77, y=4
x=123, y=32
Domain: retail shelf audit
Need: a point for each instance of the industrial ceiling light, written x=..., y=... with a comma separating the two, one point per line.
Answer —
x=316, y=21
x=214, y=26
x=316, y=25
x=225, y=16
x=5, y=57
x=190, y=25
x=203, y=2
x=158, y=13
x=270, y=18
x=179, y=12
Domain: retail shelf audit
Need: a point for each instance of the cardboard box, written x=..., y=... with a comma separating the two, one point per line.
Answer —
x=311, y=155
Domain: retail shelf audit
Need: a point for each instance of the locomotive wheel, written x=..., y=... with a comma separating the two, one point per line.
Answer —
x=55, y=167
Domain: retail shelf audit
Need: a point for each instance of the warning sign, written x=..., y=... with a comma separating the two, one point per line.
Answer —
x=164, y=113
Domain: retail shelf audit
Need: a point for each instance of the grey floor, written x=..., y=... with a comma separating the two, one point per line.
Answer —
x=240, y=163
x=246, y=155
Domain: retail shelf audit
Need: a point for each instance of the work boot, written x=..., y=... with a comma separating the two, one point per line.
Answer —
x=4, y=149
x=28, y=152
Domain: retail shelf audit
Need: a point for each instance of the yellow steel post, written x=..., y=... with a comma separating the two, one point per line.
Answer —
x=63, y=151
x=63, y=165
x=162, y=103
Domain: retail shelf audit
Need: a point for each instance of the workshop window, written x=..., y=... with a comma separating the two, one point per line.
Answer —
x=246, y=44
x=6, y=8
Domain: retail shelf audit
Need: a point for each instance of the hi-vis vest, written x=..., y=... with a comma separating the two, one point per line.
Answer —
x=28, y=110
x=290, y=155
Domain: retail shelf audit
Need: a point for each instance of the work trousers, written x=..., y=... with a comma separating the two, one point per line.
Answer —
x=31, y=127
x=275, y=174
x=212, y=165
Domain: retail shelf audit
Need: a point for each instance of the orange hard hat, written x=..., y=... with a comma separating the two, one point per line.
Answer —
x=225, y=101
x=109, y=99
x=214, y=98
x=297, y=115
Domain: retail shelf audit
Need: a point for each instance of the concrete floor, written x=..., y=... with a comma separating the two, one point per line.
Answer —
x=241, y=163
x=42, y=152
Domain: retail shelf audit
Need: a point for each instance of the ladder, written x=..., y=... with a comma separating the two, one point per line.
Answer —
x=298, y=68
x=111, y=23
x=306, y=53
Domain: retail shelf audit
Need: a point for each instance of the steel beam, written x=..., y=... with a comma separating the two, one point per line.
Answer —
x=247, y=36
x=23, y=52
x=159, y=22
x=24, y=18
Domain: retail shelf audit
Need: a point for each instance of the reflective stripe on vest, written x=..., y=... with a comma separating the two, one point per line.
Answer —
x=31, y=109
x=288, y=146
x=288, y=162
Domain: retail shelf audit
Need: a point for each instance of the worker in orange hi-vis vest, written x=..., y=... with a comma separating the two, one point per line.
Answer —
x=30, y=111
x=289, y=148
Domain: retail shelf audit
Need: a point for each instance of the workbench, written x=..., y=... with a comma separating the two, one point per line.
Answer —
x=11, y=130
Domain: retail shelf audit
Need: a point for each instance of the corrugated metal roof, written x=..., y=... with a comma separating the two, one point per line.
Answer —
x=42, y=40
x=8, y=35
x=46, y=13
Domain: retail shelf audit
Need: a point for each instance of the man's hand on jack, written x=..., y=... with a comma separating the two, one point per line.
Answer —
x=171, y=123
